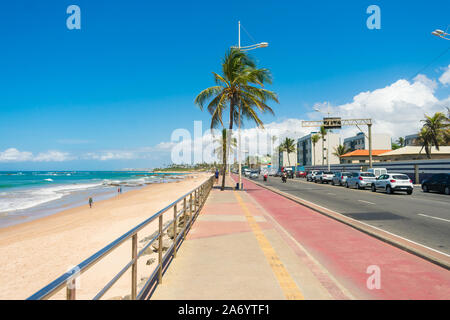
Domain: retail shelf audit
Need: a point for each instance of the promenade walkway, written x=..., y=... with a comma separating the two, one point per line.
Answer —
x=259, y=245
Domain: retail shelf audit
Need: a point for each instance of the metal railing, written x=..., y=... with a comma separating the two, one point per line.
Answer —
x=191, y=203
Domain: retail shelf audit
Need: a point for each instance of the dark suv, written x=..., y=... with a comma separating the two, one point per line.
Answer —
x=437, y=182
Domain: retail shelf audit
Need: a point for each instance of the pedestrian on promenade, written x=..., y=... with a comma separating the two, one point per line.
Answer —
x=90, y=202
x=217, y=175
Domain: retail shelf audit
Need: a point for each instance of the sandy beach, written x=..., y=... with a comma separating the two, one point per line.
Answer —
x=34, y=253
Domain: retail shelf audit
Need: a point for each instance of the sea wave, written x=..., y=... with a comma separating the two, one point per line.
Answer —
x=25, y=199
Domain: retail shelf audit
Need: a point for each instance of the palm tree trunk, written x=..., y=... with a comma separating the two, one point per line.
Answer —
x=323, y=160
x=313, y=155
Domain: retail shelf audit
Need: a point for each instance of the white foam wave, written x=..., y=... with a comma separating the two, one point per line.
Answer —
x=25, y=199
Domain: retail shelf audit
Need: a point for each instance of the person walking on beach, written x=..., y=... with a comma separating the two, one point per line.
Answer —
x=217, y=175
x=90, y=202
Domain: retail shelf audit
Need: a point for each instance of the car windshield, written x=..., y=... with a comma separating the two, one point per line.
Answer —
x=401, y=177
x=347, y=174
x=367, y=174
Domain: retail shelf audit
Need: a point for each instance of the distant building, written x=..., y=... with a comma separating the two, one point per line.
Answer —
x=307, y=156
x=362, y=156
x=412, y=140
x=380, y=141
x=415, y=153
x=283, y=160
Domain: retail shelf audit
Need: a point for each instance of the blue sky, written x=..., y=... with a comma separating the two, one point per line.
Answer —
x=128, y=78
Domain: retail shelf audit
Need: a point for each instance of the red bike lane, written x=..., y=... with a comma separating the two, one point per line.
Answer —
x=352, y=256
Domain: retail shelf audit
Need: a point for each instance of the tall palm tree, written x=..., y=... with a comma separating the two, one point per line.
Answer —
x=288, y=145
x=435, y=127
x=323, y=133
x=314, y=139
x=426, y=141
x=241, y=88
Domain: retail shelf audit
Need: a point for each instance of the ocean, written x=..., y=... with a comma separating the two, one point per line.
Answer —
x=28, y=195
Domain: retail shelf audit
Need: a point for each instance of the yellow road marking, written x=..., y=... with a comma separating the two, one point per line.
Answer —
x=287, y=284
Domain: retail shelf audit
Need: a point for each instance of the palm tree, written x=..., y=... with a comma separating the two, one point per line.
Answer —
x=314, y=139
x=288, y=145
x=426, y=141
x=221, y=149
x=435, y=127
x=340, y=150
x=401, y=141
x=240, y=86
x=323, y=133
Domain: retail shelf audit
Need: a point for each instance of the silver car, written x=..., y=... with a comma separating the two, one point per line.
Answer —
x=340, y=178
x=311, y=174
x=360, y=180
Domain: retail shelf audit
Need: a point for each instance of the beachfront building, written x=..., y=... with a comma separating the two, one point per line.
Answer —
x=308, y=155
x=412, y=140
x=362, y=156
x=285, y=161
x=415, y=153
x=380, y=141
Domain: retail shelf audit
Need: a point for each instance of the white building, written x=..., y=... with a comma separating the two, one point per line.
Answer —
x=308, y=155
x=380, y=141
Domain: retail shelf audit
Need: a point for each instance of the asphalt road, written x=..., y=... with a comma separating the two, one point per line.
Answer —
x=420, y=217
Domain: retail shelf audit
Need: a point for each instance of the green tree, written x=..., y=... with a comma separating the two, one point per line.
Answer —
x=425, y=141
x=240, y=88
x=314, y=139
x=400, y=142
x=288, y=145
x=340, y=150
x=436, y=127
x=221, y=150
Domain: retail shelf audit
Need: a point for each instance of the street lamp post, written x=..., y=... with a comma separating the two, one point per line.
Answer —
x=441, y=34
x=245, y=48
x=328, y=138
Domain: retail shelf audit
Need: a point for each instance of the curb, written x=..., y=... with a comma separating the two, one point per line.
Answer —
x=419, y=250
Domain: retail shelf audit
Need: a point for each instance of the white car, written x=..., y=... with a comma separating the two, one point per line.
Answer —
x=392, y=182
x=326, y=176
x=254, y=174
x=310, y=176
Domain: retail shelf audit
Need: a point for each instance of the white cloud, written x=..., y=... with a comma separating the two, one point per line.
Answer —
x=14, y=155
x=445, y=77
x=395, y=109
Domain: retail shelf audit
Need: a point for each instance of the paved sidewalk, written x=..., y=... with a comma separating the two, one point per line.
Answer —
x=256, y=244
x=236, y=251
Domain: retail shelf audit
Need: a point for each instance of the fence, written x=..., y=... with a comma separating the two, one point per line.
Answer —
x=191, y=204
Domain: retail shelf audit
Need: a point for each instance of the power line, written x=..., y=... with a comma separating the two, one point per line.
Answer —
x=429, y=64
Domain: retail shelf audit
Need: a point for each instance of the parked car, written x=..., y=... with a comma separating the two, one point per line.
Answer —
x=317, y=176
x=254, y=174
x=301, y=174
x=360, y=180
x=377, y=171
x=438, y=182
x=392, y=182
x=326, y=176
x=310, y=176
x=340, y=178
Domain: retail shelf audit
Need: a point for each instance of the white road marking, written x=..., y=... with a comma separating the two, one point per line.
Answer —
x=366, y=201
x=424, y=215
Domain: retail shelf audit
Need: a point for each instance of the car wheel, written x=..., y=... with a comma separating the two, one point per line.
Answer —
x=332, y=182
x=409, y=192
x=373, y=188
x=425, y=188
x=447, y=190
x=388, y=190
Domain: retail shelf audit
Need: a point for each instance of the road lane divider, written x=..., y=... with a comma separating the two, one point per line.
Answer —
x=437, y=218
